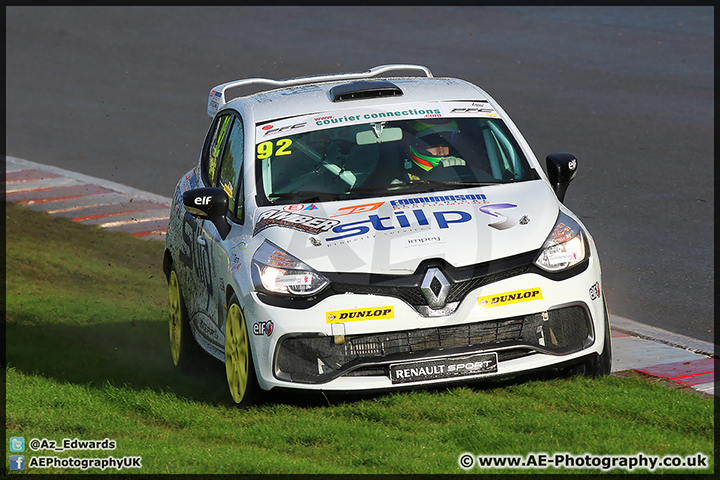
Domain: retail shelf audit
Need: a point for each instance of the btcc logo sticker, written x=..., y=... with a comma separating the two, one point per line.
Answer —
x=379, y=313
x=508, y=298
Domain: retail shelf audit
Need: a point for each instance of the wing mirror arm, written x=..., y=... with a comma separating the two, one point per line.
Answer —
x=561, y=168
x=209, y=203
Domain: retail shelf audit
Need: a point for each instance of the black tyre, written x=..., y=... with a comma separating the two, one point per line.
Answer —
x=604, y=361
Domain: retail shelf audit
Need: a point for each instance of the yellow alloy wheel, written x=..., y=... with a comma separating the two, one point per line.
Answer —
x=237, y=353
x=175, y=317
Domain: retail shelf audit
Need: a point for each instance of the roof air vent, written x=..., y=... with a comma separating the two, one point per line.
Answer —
x=360, y=90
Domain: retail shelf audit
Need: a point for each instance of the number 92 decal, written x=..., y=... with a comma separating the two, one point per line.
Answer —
x=268, y=149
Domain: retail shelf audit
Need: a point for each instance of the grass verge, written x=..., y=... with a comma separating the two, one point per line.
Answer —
x=88, y=358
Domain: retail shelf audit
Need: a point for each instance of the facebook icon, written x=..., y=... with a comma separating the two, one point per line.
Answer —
x=17, y=462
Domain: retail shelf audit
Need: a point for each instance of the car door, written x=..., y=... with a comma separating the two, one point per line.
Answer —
x=225, y=171
x=200, y=277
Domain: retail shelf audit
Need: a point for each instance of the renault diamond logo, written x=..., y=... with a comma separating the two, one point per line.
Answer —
x=435, y=288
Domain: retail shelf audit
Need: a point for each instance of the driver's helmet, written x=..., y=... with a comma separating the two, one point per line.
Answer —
x=426, y=134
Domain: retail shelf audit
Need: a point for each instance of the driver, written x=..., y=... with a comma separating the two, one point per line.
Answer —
x=429, y=145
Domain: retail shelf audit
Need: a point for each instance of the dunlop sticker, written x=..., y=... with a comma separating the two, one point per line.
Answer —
x=377, y=313
x=510, y=297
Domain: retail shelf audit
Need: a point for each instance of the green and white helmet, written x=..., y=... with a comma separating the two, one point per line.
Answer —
x=427, y=133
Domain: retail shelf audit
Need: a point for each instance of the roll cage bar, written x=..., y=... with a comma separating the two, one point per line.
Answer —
x=217, y=98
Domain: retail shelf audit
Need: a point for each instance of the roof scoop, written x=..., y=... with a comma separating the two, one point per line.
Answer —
x=364, y=89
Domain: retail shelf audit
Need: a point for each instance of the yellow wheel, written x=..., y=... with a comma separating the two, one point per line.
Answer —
x=238, y=360
x=182, y=344
x=175, y=317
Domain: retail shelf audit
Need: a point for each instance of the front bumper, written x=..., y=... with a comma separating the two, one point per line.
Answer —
x=306, y=349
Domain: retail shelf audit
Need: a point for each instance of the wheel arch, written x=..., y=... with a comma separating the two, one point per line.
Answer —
x=229, y=292
x=167, y=263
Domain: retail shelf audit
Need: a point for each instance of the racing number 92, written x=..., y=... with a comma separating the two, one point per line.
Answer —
x=268, y=149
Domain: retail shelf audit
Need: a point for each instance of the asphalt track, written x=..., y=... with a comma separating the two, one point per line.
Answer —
x=119, y=93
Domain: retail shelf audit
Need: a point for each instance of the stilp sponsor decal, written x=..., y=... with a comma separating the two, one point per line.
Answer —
x=375, y=313
x=401, y=220
x=508, y=298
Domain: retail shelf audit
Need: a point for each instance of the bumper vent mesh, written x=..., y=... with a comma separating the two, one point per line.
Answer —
x=318, y=359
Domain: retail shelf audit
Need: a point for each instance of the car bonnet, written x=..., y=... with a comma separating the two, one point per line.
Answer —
x=393, y=235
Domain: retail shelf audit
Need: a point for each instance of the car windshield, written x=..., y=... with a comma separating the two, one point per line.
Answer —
x=335, y=161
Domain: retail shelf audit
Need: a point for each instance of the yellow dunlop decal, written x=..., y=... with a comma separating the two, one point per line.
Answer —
x=510, y=297
x=376, y=313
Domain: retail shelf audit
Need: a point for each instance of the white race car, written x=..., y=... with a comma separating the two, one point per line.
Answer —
x=360, y=231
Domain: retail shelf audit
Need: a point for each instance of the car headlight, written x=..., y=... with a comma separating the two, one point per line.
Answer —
x=565, y=247
x=275, y=270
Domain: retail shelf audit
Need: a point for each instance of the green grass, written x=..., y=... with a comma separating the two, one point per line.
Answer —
x=88, y=358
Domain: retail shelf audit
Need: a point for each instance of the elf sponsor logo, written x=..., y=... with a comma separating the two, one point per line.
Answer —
x=508, y=298
x=263, y=328
x=376, y=313
x=294, y=220
x=443, y=219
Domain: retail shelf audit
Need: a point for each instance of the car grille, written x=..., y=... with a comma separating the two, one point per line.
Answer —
x=407, y=288
x=412, y=295
x=318, y=359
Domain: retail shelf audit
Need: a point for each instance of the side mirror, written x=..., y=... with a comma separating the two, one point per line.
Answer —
x=209, y=203
x=562, y=168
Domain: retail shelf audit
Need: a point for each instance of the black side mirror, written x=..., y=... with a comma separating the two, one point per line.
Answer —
x=562, y=168
x=209, y=203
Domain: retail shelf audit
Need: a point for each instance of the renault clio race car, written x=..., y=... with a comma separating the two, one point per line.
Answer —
x=361, y=231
